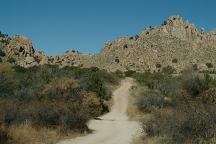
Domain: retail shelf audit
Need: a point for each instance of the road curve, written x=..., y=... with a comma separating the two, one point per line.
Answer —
x=114, y=127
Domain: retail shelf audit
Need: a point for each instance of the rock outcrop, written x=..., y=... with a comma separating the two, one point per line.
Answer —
x=176, y=43
x=19, y=50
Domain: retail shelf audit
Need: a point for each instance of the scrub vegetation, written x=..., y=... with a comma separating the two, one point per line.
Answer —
x=48, y=99
x=182, y=107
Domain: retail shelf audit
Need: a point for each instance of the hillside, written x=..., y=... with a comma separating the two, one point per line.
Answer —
x=175, y=43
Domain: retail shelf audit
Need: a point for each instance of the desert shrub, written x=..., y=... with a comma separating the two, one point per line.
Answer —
x=187, y=115
x=209, y=96
x=24, y=94
x=142, y=78
x=9, y=114
x=125, y=46
x=193, y=83
x=158, y=81
x=168, y=70
x=195, y=67
x=174, y=60
x=92, y=82
x=7, y=85
x=63, y=88
x=19, y=69
x=92, y=105
x=193, y=123
x=198, y=124
x=164, y=23
x=151, y=127
x=3, y=35
x=209, y=65
x=158, y=65
x=117, y=60
x=185, y=107
x=159, y=124
x=151, y=101
x=136, y=37
x=168, y=87
x=163, y=84
x=53, y=97
x=2, y=53
x=4, y=137
x=119, y=74
x=129, y=73
x=76, y=120
x=11, y=60
x=195, y=86
x=211, y=81
x=47, y=116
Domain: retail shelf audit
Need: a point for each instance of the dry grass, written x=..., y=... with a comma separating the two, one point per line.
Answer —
x=137, y=140
x=27, y=134
x=155, y=140
x=132, y=111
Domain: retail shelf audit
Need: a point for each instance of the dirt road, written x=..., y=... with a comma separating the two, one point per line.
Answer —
x=114, y=127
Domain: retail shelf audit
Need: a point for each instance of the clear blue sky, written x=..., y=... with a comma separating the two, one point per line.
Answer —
x=55, y=26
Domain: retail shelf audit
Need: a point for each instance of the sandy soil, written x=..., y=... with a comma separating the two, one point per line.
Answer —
x=114, y=127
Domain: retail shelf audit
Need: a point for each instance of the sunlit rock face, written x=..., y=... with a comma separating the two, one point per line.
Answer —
x=175, y=42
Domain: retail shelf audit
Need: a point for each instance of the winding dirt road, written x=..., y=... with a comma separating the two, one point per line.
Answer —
x=114, y=127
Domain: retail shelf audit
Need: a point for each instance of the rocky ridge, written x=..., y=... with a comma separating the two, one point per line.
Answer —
x=176, y=43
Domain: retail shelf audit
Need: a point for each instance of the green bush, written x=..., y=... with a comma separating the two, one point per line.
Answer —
x=182, y=107
x=3, y=136
x=119, y=74
x=2, y=53
x=199, y=124
x=195, y=86
x=168, y=70
x=209, y=65
x=76, y=120
x=95, y=84
x=11, y=60
x=47, y=116
x=117, y=60
x=193, y=123
x=3, y=35
x=53, y=97
x=174, y=60
x=156, y=80
x=7, y=85
x=151, y=101
x=209, y=96
x=125, y=46
x=136, y=37
x=195, y=67
x=129, y=73
x=211, y=81
x=142, y=78
x=158, y=65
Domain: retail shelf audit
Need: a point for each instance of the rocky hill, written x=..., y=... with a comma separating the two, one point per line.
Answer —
x=175, y=43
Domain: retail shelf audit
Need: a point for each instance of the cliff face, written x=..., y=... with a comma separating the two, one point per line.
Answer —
x=175, y=43
x=19, y=50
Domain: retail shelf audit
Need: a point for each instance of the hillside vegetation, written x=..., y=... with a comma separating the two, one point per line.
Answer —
x=47, y=98
x=182, y=107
